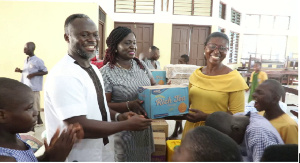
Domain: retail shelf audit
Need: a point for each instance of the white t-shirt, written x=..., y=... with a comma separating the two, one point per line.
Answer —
x=70, y=92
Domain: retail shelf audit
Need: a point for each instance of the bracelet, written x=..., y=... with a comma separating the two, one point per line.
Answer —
x=116, y=116
x=127, y=105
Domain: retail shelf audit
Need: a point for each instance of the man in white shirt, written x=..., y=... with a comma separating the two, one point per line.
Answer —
x=74, y=92
x=32, y=75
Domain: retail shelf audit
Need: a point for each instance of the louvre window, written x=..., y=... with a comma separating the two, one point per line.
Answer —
x=235, y=17
x=134, y=6
x=233, y=47
x=192, y=7
x=222, y=10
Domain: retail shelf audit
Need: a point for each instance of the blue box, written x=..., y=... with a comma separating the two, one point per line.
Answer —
x=159, y=76
x=164, y=100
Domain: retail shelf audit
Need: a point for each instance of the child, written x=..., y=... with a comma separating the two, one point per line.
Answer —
x=267, y=96
x=184, y=59
x=257, y=77
x=17, y=115
x=152, y=59
x=205, y=144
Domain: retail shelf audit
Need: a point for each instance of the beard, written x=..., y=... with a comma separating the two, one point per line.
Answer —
x=83, y=54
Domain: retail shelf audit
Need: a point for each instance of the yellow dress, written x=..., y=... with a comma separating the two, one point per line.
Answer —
x=215, y=93
x=287, y=128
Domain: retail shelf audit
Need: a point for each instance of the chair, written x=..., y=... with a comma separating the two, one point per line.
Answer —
x=292, y=91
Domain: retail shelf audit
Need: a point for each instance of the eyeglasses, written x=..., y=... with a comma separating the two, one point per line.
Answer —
x=212, y=46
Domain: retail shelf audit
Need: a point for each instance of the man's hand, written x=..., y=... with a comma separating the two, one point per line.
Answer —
x=18, y=70
x=138, y=122
x=196, y=116
x=126, y=115
x=29, y=76
x=136, y=106
x=60, y=146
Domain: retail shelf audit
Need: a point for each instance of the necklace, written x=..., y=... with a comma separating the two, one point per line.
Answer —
x=123, y=67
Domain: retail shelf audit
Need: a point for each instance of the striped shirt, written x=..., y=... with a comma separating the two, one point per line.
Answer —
x=150, y=66
x=20, y=155
x=130, y=146
x=258, y=136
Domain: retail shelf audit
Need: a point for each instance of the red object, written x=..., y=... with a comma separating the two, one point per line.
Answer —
x=97, y=63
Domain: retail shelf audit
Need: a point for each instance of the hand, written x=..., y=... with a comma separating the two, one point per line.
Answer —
x=137, y=123
x=136, y=106
x=60, y=146
x=29, y=76
x=196, y=116
x=169, y=82
x=18, y=70
x=126, y=115
x=247, y=90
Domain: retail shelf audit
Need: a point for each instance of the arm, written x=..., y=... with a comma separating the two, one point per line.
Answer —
x=99, y=129
x=236, y=102
x=39, y=73
x=18, y=70
x=134, y=106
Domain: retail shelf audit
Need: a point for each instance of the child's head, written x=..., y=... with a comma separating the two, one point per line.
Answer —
x=154, y=53
x=257, y=66
x=233, y=126
x=184, y=59
x=267, y=94
x=17, y=114
x=205, y=144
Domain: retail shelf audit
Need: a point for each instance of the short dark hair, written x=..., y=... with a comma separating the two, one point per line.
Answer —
x=32, y=44
x=276, y=87
x=185, y=57
x=259, y=63
x=153, y=48
x=280, y=153
x=8, y=90
x=216, y=34
x=71, y=18
x=212, y=145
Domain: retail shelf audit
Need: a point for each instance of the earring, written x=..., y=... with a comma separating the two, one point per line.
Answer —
x=204, y=53
x=116, y=51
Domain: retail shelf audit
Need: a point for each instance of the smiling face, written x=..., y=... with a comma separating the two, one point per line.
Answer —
x=213, y=54
x=83, y=38
x=127, y=47
x=263, y=97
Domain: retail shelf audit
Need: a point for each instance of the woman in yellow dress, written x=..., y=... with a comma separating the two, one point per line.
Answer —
x=214, y=87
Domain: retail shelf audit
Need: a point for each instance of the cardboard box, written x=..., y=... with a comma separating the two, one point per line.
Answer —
x=160, y=125
x=179, y=71
x=159, y=76
x=164, y=100
x=160, y=147
x=171, y=145
x=184, y=82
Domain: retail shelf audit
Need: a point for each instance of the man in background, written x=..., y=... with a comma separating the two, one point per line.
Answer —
x=32, y=75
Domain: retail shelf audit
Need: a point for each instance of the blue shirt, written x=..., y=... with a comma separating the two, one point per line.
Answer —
x=259, y=134
x=33, y=65
x=20, y=155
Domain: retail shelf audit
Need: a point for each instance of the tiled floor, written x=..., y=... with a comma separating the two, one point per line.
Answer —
x=290, y=99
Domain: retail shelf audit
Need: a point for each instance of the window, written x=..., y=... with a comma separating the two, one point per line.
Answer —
x=270, y=47
x=134, y=6
x=233, y=47
x=222, y=10
x=235, y=17
x=267, y=22
x=192, y=7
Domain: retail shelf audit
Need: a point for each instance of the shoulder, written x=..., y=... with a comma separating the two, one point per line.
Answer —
x=7, y=159
x=226, y=69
